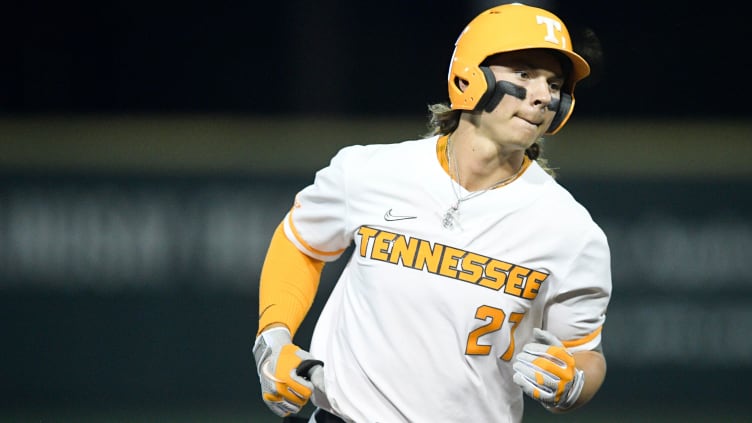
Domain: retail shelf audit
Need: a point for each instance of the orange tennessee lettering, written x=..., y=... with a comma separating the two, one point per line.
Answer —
x=367, y=233
x=450, y=262
x=404, y=250
x=496, y=275
x=381, y=245
x=515, y=282
x=472, y=268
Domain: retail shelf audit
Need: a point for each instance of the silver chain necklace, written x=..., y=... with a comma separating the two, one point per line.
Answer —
x=452, y=215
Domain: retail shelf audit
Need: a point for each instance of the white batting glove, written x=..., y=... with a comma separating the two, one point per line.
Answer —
x=546, y=372
x=287, y=373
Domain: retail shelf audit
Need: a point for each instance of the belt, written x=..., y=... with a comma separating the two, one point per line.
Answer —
x=323, y=416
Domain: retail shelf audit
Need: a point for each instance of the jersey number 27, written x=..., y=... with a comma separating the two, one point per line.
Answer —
x=494, y=319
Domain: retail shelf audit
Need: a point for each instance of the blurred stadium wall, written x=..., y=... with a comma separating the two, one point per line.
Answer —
x=130, y=249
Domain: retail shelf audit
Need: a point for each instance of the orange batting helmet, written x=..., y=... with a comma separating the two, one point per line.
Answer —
x=504, y=28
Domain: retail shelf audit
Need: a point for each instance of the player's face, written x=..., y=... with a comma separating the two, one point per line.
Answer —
x=521, y=121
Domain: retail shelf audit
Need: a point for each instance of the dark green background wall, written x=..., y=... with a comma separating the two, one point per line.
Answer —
x=135, y=292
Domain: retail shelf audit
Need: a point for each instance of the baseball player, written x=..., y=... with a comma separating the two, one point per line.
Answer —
x=474, y=277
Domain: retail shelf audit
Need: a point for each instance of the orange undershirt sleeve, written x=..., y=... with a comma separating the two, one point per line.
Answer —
x=288, y=284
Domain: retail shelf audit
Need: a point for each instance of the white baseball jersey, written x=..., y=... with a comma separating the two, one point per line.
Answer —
x=424, y=321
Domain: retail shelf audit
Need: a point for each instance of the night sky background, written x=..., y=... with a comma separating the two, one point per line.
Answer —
x=345, y=58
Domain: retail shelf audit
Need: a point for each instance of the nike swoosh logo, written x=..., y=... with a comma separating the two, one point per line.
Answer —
x=390, y=217
x=264, y=311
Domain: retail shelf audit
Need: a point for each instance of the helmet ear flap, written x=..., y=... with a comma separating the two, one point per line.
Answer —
x=563, y=110
x=490, y=88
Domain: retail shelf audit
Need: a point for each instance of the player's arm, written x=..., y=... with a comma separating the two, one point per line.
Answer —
x=559, y=379
x=563, y=376
x=288, y=285
x=593, y=366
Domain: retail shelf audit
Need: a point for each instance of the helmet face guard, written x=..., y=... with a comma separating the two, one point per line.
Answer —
x=506, y=28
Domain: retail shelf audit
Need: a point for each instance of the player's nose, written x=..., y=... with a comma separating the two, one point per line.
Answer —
x=539, y=92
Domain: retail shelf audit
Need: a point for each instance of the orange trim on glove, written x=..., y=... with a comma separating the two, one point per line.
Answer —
x=287, y=388
x=288, y=284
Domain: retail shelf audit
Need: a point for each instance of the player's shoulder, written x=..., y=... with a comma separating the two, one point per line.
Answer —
x=365, y=153
x=561, y=203
x=557, y=193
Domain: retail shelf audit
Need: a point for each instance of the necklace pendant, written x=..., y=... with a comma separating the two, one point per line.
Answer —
x=450, y=217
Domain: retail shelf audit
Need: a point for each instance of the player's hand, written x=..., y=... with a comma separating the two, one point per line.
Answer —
x=545, y=370
x=285, y=391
